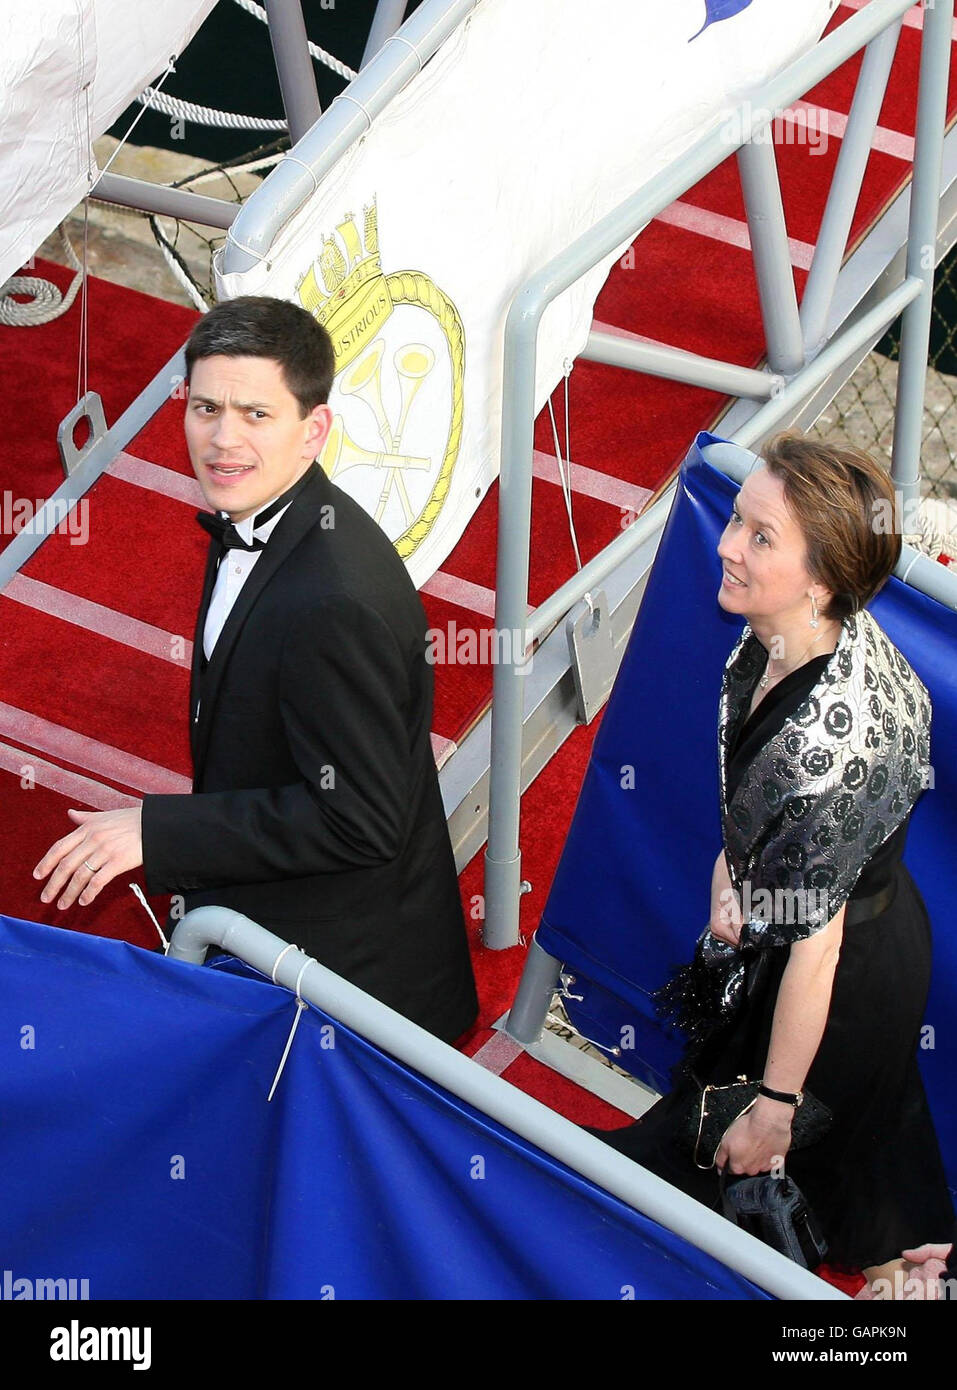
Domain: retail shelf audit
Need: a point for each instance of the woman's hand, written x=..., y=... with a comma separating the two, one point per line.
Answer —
x=725, y=921
x=757, y=1141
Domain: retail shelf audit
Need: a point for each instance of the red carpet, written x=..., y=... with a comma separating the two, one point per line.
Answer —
x=94, y=638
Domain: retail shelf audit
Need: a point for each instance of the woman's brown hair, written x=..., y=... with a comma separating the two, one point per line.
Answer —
x=841, y=499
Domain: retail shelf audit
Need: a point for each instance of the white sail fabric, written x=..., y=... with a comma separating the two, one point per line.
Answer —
x=531, y=122
x=68, y=68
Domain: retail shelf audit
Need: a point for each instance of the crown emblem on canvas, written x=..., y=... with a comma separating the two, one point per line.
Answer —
x=345, y=289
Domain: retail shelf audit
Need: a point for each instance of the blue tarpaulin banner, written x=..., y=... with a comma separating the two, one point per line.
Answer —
x=632, y=890
x=139, y=1153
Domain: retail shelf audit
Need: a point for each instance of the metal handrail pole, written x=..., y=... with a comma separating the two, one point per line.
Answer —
x=386, y=21
x=169, y=202
x=922, y=245
x=28, y=540
x=771, y=252
x=846, y=186
x=297, y=77
x=867, y=329
x=496, y=1098
x=281, y=195
x=503, y=860
x=503, y=882
x=288, y=186
x=659, y=359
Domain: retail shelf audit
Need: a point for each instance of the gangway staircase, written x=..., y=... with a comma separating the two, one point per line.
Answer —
x=725, y=313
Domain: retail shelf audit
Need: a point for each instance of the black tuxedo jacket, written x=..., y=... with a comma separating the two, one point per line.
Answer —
x=316, y=808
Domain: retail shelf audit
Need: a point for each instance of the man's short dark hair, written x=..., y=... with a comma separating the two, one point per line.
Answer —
x=260, y=326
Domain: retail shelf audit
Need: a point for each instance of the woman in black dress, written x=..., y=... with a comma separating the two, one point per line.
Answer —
x=814, y=968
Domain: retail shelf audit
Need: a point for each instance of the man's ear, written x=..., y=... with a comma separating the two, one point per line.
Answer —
x=320, y=423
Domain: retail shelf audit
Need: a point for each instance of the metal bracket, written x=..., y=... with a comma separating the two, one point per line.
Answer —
x=592, y=651
x=89, y=408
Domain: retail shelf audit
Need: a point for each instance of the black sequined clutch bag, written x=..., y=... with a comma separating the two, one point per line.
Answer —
x=715, y=1108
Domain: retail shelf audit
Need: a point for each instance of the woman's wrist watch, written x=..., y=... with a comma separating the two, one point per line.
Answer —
x=794, y=1098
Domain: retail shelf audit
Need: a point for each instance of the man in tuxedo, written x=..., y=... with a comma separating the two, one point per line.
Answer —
x=316, y=808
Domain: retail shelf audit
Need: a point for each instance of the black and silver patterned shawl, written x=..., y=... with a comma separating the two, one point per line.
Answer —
x=812, y=808
x=828, y=789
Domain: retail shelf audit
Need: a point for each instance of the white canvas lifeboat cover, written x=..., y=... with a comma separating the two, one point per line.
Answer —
x=68, y=68
x=531, y=122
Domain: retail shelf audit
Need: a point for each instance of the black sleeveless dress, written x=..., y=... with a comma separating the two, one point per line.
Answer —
x=875, y=1181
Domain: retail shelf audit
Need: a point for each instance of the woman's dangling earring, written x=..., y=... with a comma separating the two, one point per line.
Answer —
x=814, y=618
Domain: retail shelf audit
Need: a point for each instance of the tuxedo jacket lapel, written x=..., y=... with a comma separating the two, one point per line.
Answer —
x=304, y=513
x=198, y=665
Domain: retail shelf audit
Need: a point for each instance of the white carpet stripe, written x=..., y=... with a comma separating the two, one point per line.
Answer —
x=109, y=763
x=588, y=482
x=820, y=119
x=474, y=597
x=442, y=748
x=498, y=1053
x=727, y=229
x=155, y=478
x=82, y=612
x=79, y=790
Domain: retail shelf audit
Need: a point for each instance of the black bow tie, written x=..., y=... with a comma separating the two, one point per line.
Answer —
x=224, y=531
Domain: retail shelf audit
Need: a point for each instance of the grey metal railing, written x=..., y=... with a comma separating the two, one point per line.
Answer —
x=293, y=181
x=787, y=355
x=495, y=1097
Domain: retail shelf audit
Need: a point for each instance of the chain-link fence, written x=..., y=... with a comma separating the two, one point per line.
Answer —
x=862, y=413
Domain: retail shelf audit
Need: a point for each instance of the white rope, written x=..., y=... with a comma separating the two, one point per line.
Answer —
x=224, y=171
x=318, y=53
x=204, y=115
x=182, y=276
x=48, y=301
x=564, y=474
x=301, y=1007
x=936, y=532
x=138, y=893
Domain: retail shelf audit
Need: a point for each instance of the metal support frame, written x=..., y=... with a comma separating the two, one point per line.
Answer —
x=846, y=186
x=503, y=876
x=170, y=202
x=297, y=78
x=290, y=185
x=922, y=244
x=658, y=359
x=387, y=19
x=495, y=1097
x=758, y=168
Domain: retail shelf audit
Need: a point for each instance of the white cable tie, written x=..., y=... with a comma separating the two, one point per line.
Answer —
x=141, y=896
x=248, y=249
x=277, y=962
x=291, y=159
x=344, y=96
x=310, y=960
x=917, y=556
x=301, y=1007
x=397, y=38
x=300, y=1010
x=591, y=606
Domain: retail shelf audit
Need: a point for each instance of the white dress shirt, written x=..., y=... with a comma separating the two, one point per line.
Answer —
x=234, y=569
